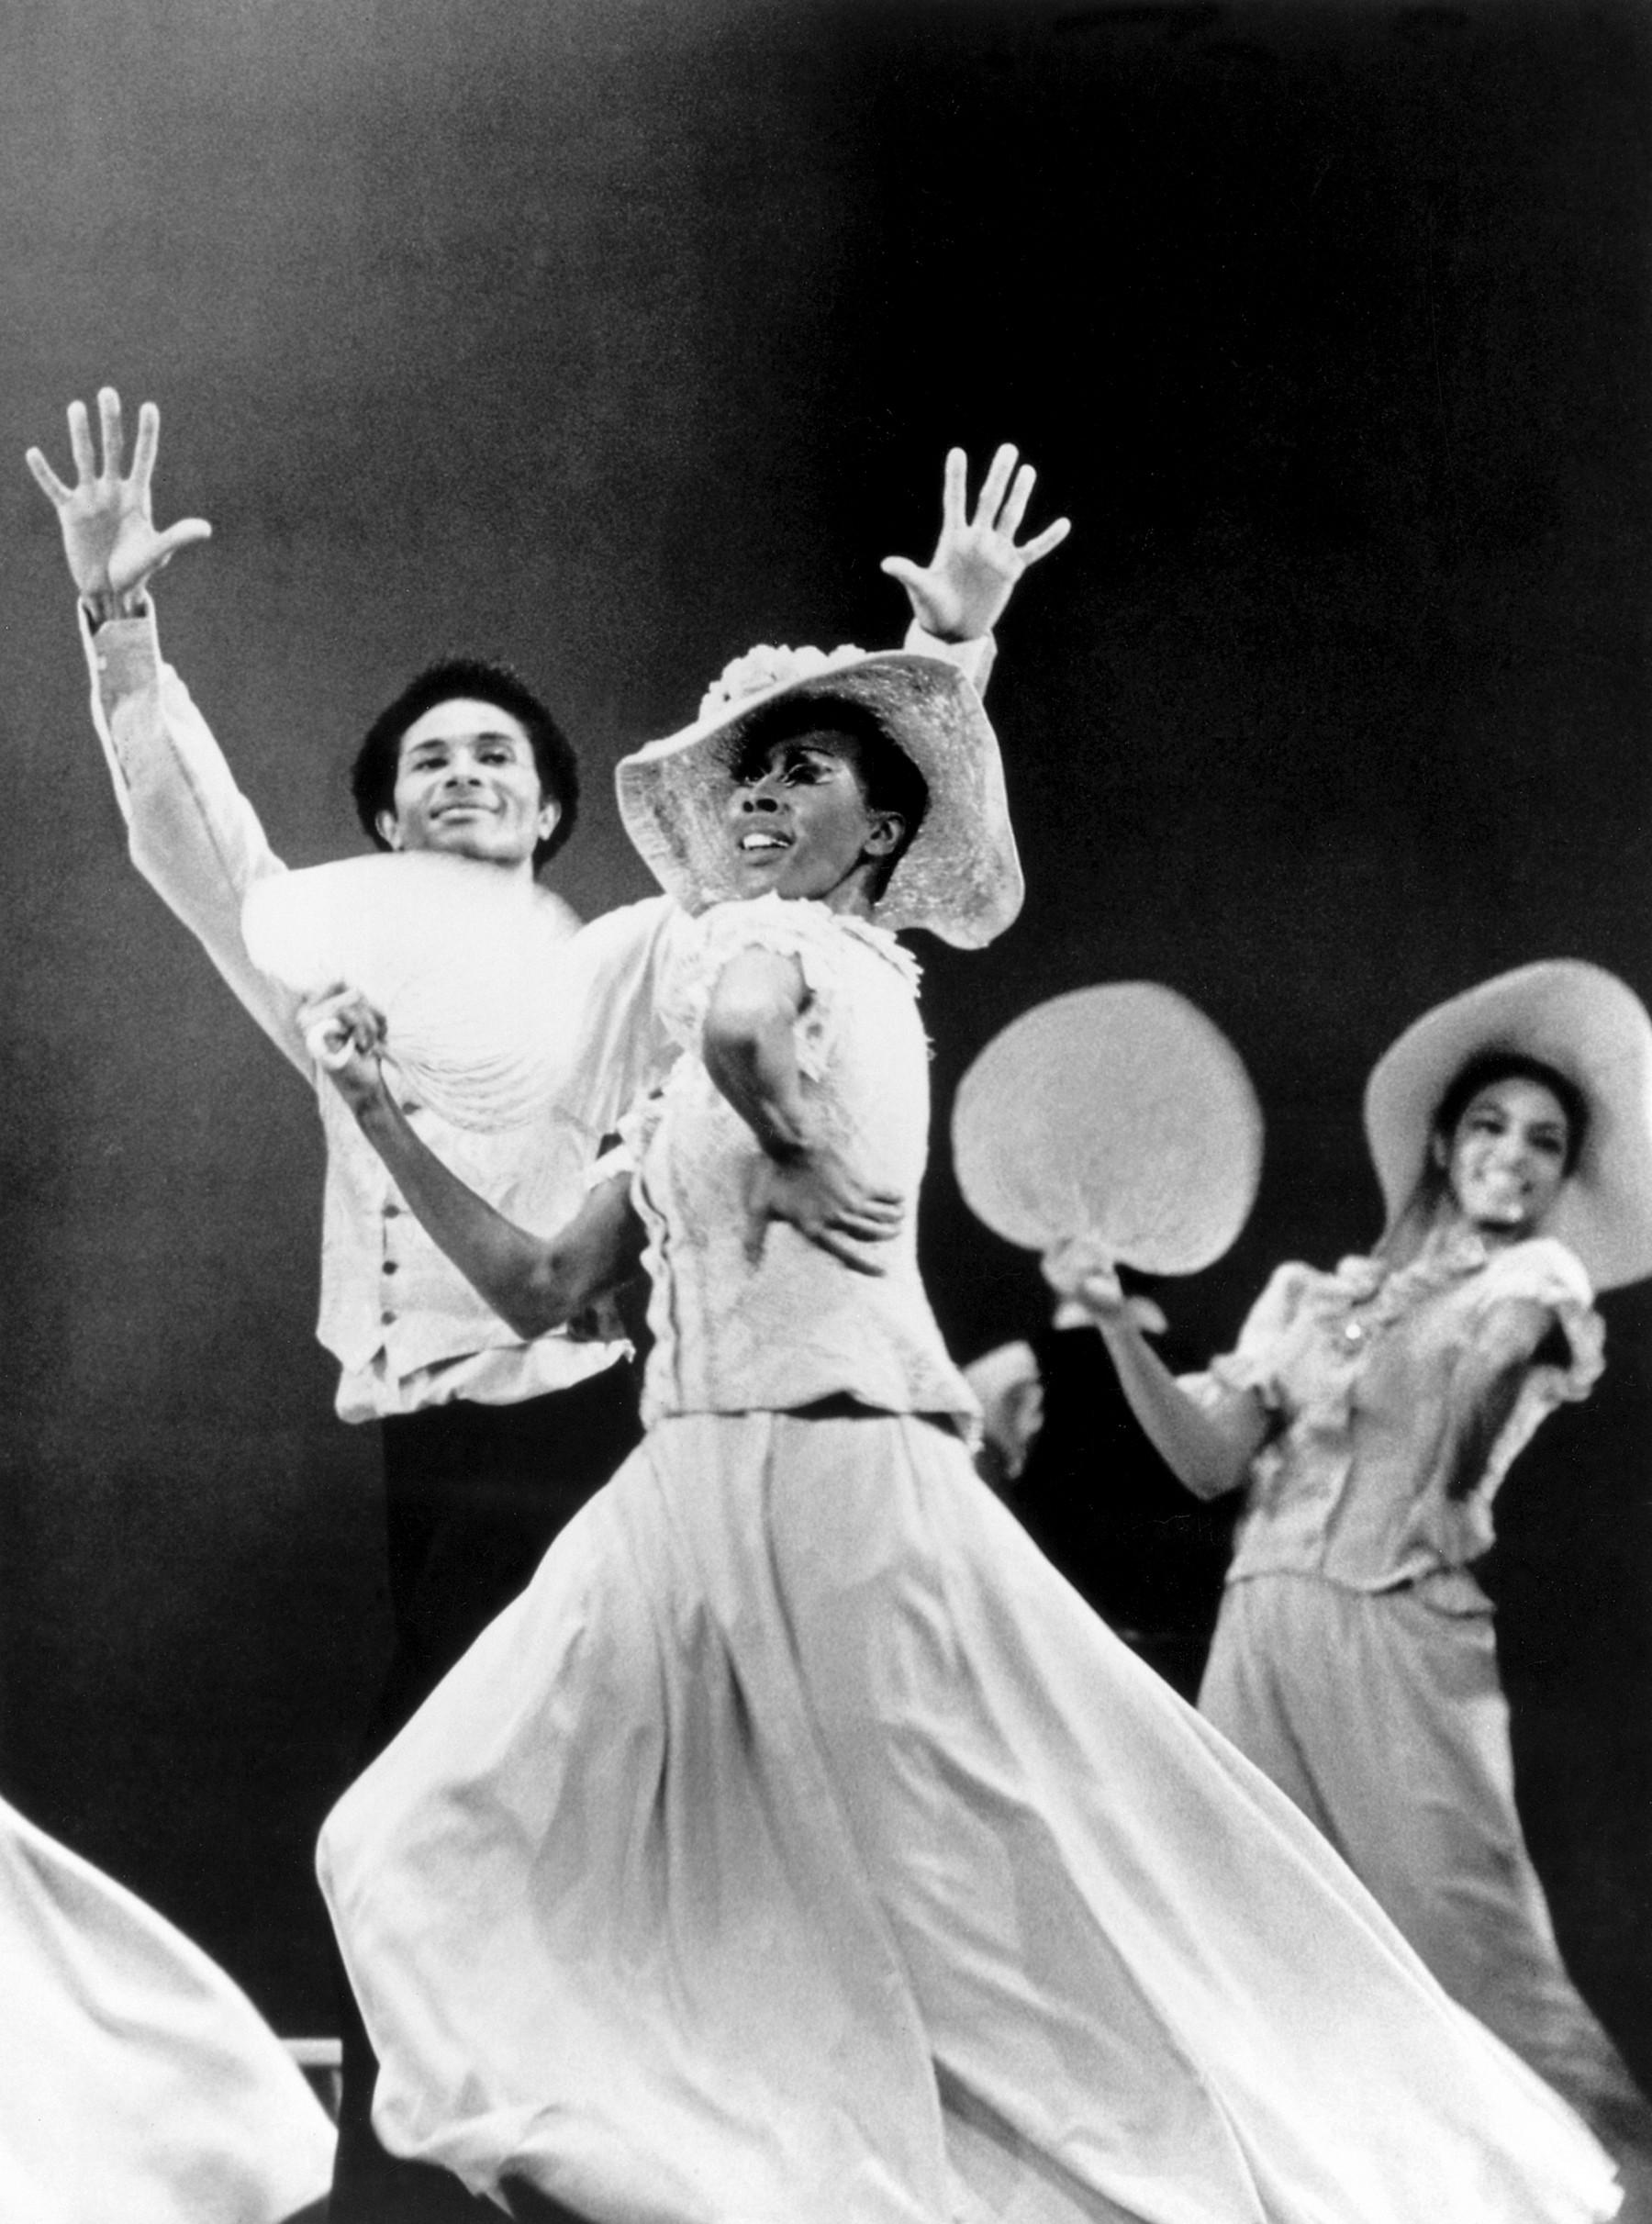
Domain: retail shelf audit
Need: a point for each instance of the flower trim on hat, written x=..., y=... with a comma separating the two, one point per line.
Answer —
x=767, y=666
x=793, y=927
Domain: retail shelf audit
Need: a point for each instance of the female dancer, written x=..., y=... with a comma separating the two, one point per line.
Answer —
x=1373, y=1412
x=799, y=1846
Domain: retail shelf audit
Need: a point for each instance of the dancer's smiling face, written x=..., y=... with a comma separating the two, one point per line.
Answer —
x=801, y=823
x=467, y=783
x=1507, y=1156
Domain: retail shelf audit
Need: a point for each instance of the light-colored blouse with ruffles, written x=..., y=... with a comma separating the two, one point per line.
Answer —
x=1356, y=1369
x=747, y=1314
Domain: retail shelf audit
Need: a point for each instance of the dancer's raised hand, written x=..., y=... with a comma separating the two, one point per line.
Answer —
x=961, y=593
x=109, y=535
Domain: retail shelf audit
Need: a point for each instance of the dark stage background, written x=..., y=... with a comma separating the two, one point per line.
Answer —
x=611, y=338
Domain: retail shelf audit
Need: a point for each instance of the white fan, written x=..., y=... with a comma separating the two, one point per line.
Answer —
x=1118, y=1115
x=457, y=957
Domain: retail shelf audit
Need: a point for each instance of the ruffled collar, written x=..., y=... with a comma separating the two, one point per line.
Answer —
x=1447, y=1255
x=820, y=916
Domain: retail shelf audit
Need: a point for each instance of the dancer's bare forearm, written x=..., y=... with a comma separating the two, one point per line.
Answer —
x=535, y=1282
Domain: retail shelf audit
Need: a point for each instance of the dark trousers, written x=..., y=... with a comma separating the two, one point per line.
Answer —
x=473, y=1496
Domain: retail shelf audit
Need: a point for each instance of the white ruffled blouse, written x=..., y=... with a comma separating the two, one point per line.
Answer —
x=1357, y=1368
x=747, y=1314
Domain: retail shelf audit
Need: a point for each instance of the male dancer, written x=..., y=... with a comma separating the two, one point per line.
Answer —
x=490, y=1443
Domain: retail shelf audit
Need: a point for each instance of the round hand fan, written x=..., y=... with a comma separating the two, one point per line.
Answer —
x=1118, y=1115
x=458, y=957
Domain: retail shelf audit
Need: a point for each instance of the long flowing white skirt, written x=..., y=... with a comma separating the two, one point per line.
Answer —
x=800, y=1850
x=138, y=2084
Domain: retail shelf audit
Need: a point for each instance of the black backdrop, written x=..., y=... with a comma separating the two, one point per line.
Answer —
x=614, y=335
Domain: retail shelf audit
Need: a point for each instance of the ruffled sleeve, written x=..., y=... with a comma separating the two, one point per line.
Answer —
x=636, y=1132
x=1257, y=1361
x=807, y=932
x=621, y=1159
x=1543, y=1272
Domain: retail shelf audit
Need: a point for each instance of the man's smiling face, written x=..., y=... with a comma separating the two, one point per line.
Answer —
x=467, y=783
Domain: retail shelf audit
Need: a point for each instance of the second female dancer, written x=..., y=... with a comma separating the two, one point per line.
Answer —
x=1371, y=1413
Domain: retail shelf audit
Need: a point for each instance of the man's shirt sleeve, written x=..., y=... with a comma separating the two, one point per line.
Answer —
x=191, y=832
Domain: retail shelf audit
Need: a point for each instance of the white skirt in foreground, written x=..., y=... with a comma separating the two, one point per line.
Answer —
x=800, y=1848
x=138, y=2084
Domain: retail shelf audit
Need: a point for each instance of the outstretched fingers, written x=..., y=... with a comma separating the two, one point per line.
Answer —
x=1051, y=537
x=183, y=534
x=47, y=481
x=114, y=439
x=904, y=569
x=84, y=449
x=143, y=448
x=993, y=486
x=1015, y=506
x=955, y=489
x=80, y=443
x=1014, y=509
x=962, y=591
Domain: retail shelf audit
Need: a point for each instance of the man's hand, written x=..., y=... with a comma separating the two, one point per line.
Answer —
x=109, y=536
x=345, y=1036
x=821, y=1196
x=973, y=571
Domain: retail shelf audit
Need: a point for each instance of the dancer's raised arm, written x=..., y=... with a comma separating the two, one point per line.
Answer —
x=190, y=832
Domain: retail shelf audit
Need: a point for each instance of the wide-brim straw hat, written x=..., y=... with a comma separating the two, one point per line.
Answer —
x=1591, y=1028
x=959, y=877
